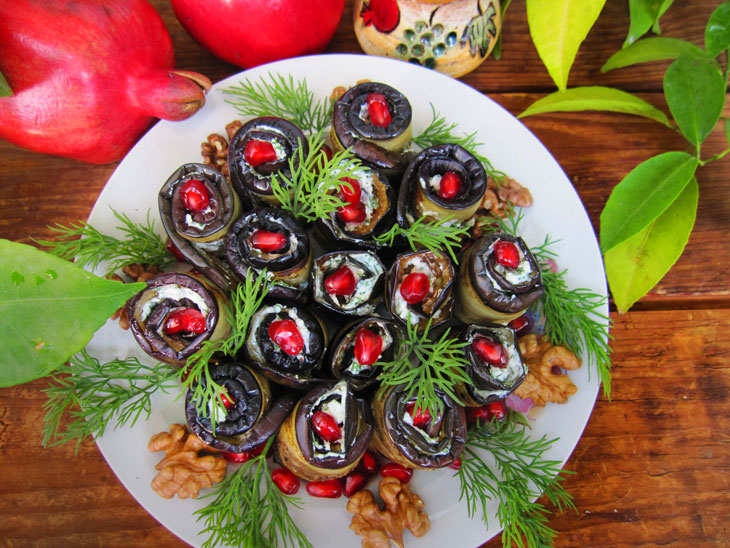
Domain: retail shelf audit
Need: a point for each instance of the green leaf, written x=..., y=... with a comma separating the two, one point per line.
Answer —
x=651, y=49
x=727, y=131
x=662, y=9
x=497, y=51
x=49, y=309
x=5, y=90
x=717, y=31
x=695, y=92
x=644, y=15
x=558, y=28
x=643, y=195
x=637, y=265
x=596, y=98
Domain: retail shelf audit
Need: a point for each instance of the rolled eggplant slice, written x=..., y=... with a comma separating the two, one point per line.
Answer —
x=254, y=412
x=287, y=343
x=358, y=348
x=261, y=148
x=413, y=438
x=499, y=278
x=272, y=239
x=326, y=434
x=348, y=282
x=495, y=364
x=374, y=120
x=197, y=207
x=174, y=315
x=420, y=288
x=442, y=181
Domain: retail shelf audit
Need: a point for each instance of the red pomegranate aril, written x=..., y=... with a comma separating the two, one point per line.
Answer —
x=521, y=325
x=172, y=248
x=188, y=320
x=286, y=335
x=414, y=287
x=450, y=185
x=496, y=410
x=237, y=457
x=341, y=282
x=258, y=152
x=490, y=352
x=195, y=196
x=368, y=346
x=421, y=418
x=507, y=254
x=392, y=469
x=353, y=213
x=268, y=242
x=378, y=109
x=287, y=482
x=456, y=464
x=330, y=489
x=228, y=403
x=369, y=463
x=326, y=426
x=354, y=482
x=351, y=196
x=474, y=414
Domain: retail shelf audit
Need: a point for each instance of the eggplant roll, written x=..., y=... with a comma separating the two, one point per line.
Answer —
x=499, y=278
x=197, y=207
x=172, y=317
x=359, y=346
x=326, y=434
x=348, y=282
x=261, y=148
x=442, y=181
x=253, y=412
x=374, y=120
x=287, y=343
x=495, y=364
x=272, y=239
x=413, y=438
x=420, y=288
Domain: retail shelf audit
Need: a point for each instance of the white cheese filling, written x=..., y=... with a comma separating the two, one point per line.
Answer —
x=177, y=293
x=337, y=409
x=258, y=318
x=400, y=307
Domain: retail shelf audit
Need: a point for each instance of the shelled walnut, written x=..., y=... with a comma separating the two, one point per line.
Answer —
x=403, y=510
x=509, y=191
x=545, y=380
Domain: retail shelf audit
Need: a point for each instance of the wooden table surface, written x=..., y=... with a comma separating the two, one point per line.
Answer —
x=653, y=466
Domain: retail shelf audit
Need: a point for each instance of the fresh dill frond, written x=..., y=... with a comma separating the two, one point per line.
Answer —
x=89, y=247
x=248, y=510
x=90, y=393
x=438, y=236
x=284, y=97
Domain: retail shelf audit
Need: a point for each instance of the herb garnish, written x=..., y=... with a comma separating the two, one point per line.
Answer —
x=438, y=236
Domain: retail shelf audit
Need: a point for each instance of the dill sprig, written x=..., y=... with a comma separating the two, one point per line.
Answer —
x=440, y=235
x=93, y=394
x=248, y=510
x=424, y=365
x=283, y=97
x=520, y=473
x=312, y=192
x=89, y=247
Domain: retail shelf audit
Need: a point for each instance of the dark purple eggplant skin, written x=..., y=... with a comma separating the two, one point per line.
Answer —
x=146, y=335
x=504, y=297
x=356, y=441
x=250, y=182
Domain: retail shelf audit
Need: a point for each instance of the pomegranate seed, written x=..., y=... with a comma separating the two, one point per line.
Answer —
x=287, y=482
x=521, y=325
x=258, y=152
x=490, y=352
x=326, y=426
x=369, y=463
x=330, y=489
x=341, y=282
x=237, y=457
x=354, y=482
x=286, y=335
x=352, y=197
x=256, y=451
x=189, y=320
x=474, y=414
x=450, y=186
x=392, y=469
x=268, y=241
x=195, y=196
x=228, y=403
x=456, y=464
x=507, y=254
x=378, y=109
x=353, y=213
x=172, y=248
x=421, y=418
x=415, y=287
x=496, y=410
x=368, y=346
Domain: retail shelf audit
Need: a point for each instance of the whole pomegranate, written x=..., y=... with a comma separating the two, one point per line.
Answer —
x=248, y=33
x=89, y=77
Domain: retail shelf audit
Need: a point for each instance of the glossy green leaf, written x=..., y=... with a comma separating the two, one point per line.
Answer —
x=644, y=14
x=695, y=92
x=49, y=310
x=643, y=195
x=727, y=131
x=497, y=51
x=651, y=49
x=637, y=265
x=5, y=90
x=662, y=9
x=558, y=28
x=717, y=32
x=596, y=98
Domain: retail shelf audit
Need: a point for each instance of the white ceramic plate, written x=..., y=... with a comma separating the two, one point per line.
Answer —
x=133, y=188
